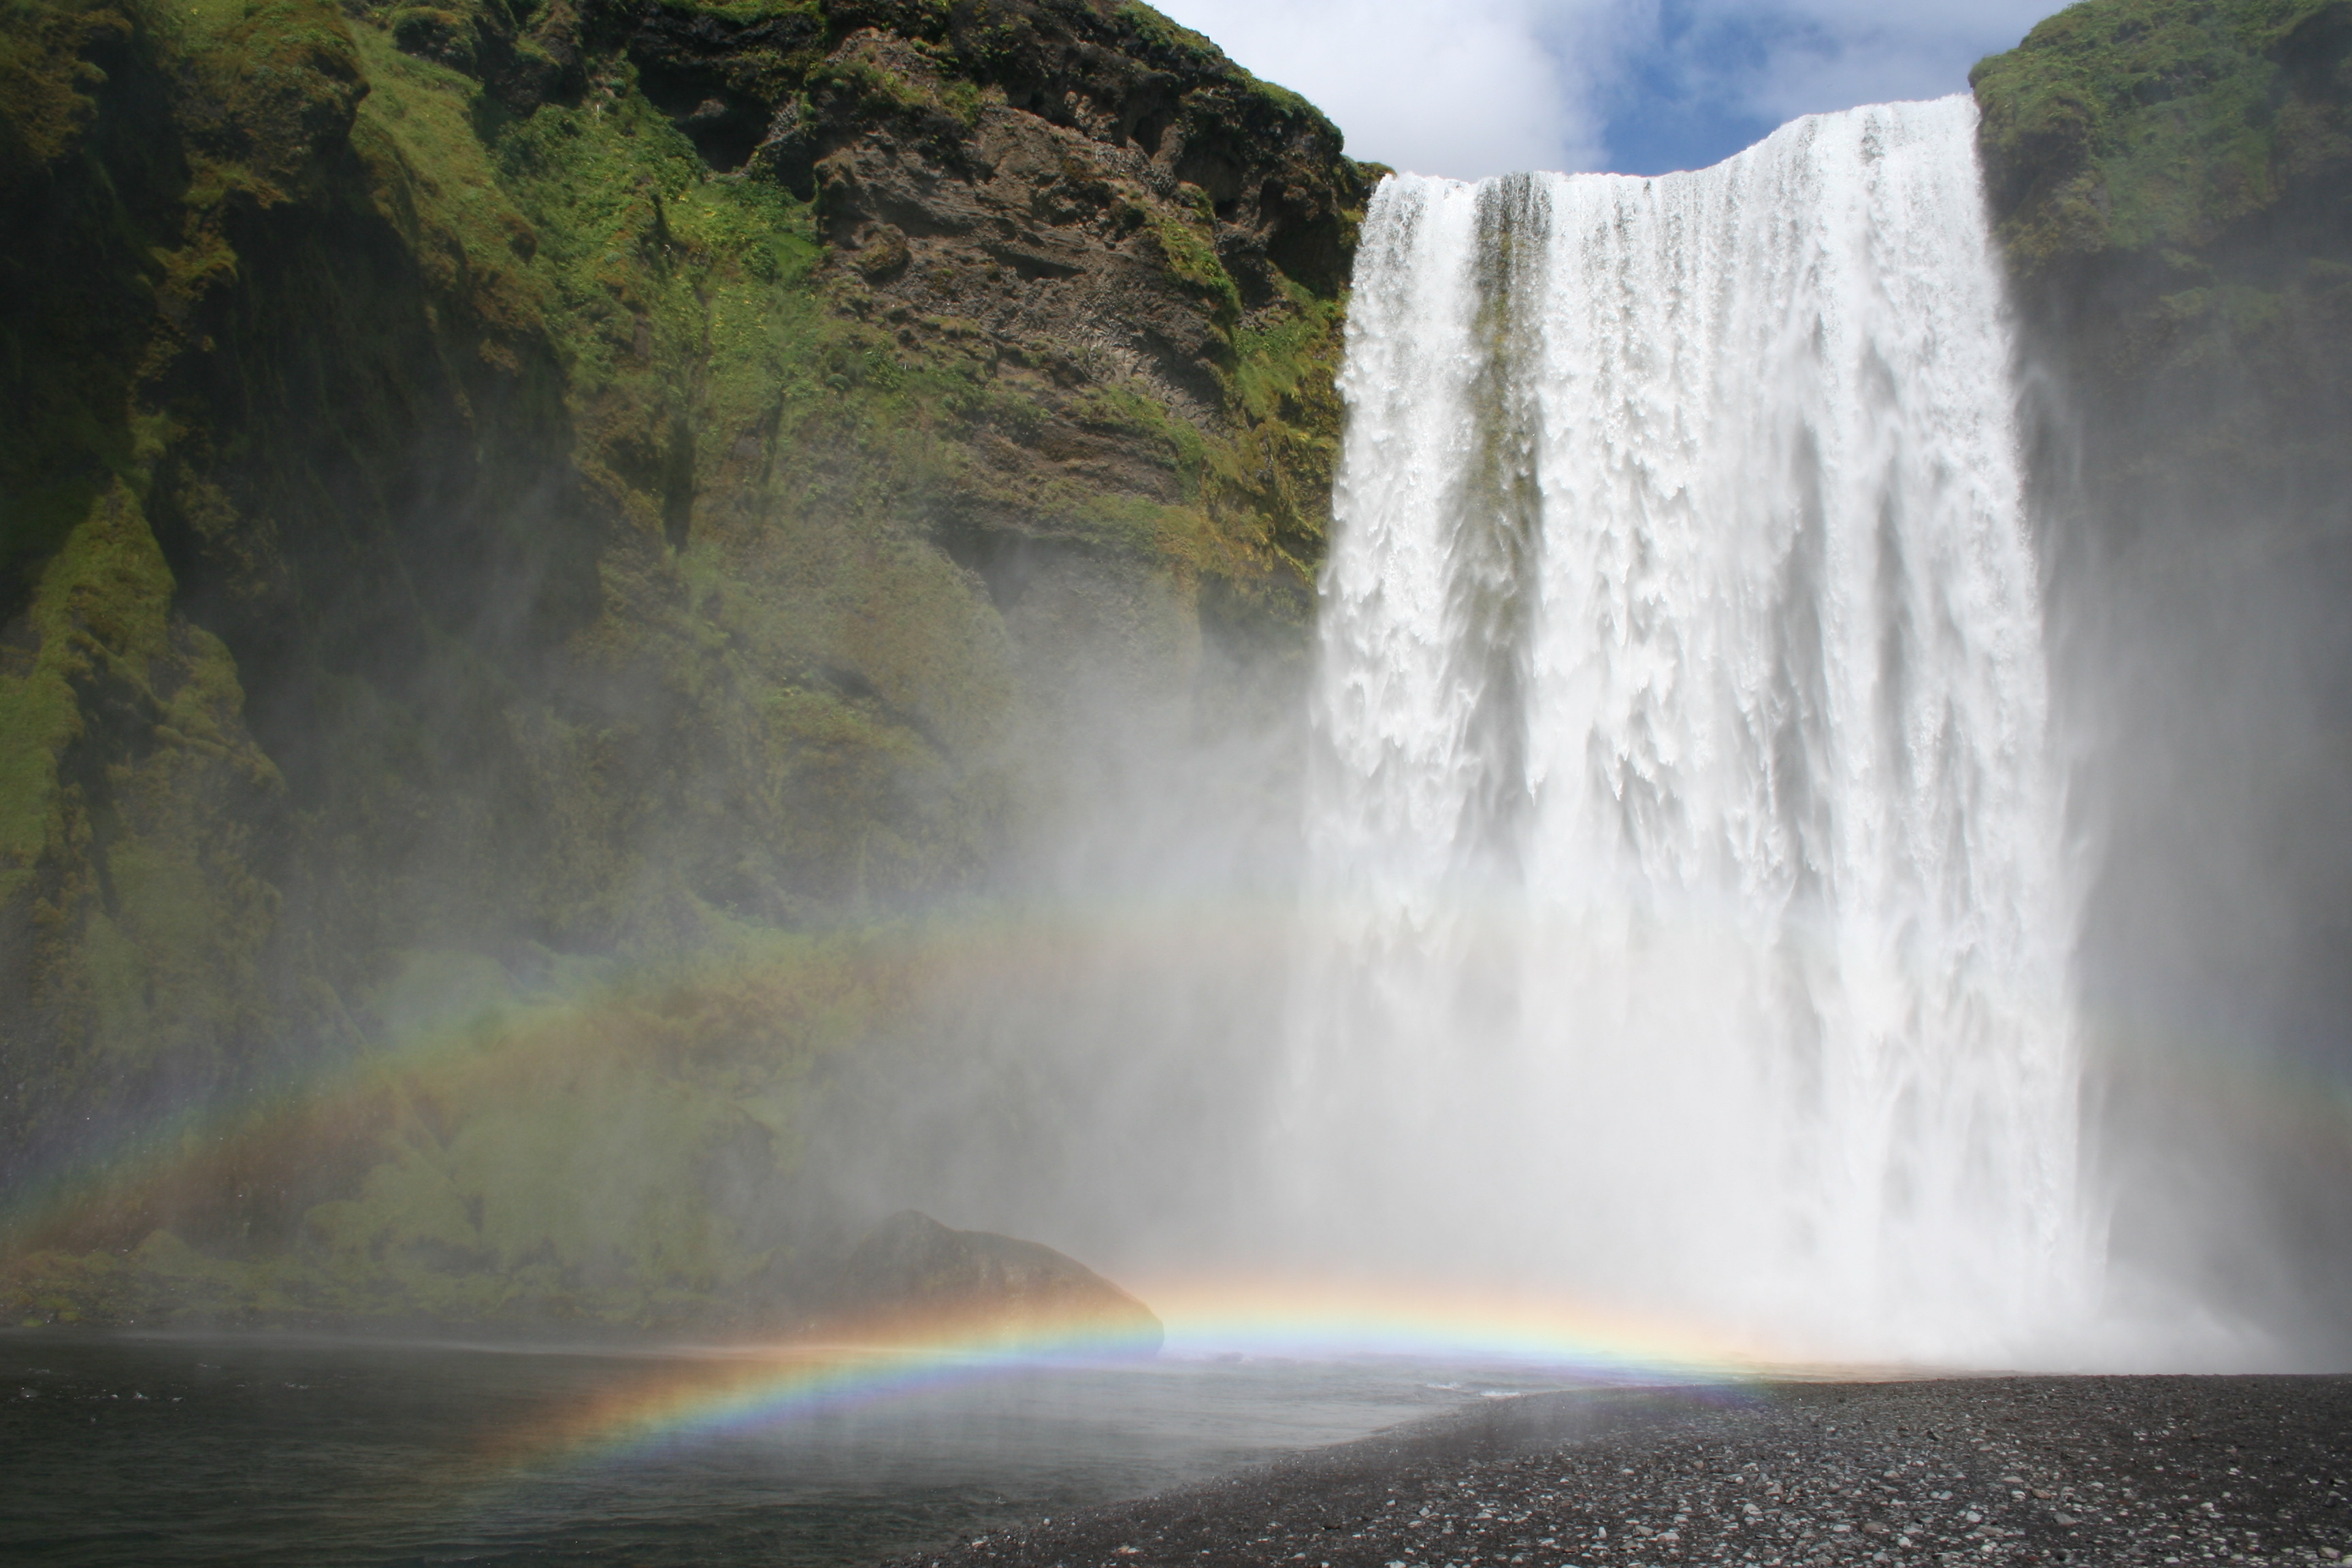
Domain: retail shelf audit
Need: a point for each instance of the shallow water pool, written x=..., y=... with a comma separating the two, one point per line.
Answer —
x=254, y=1450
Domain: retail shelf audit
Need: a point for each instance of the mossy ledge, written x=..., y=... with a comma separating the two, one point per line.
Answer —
x=512, y=501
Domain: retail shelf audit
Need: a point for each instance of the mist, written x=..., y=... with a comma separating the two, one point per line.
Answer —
x=2198, y=637
x=1228, y=1065
x=1795, y=803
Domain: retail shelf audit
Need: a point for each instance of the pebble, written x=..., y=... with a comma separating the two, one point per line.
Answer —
x=2077, y=1470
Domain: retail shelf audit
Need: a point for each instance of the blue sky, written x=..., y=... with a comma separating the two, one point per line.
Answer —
x=1470, y=88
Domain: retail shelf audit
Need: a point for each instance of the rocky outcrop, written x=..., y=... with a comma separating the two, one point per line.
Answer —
x=1093, y=193
x=912, y=1277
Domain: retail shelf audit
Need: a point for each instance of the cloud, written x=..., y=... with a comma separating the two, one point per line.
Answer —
x=1787, y=57
x=1468, y=87
x=1479, y=87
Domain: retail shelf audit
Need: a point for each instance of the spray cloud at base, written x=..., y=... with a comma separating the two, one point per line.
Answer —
x=1688, y=896
x=1683, y=904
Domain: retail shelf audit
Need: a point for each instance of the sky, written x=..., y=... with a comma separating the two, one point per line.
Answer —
x=1472, y=88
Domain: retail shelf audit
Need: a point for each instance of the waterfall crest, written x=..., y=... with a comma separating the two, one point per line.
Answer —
x=1685, y=828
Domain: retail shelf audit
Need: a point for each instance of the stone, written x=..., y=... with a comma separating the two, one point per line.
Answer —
x=913, y=1277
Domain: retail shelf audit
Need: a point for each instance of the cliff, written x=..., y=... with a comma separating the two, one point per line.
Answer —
x=2172, y=182
x=507, y=501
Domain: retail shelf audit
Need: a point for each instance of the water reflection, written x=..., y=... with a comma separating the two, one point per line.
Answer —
x=184, y=1450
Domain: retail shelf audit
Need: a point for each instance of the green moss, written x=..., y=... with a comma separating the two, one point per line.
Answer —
x=2169, y=179
x=442, y=35
x=748, y=11
x=690, y=306
x=1193, y=262
x=774, y=702
x=99, y=610
x=2172, y=171
x=1272, y=482
x=2134, y=124
x=46, y=80
x=156, y=920
x=39, y=718
x=1168, y=45
x=1285, y=367
x=284, y=79
x=882, y=92
x=1171, y=40
x=434, y=179
x=616, y=1150
x=75, y=289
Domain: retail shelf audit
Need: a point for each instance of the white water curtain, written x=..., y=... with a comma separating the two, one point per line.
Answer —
x=1689, y=887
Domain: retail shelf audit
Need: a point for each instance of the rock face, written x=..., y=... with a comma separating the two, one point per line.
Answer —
x=2173, y=185
x=1094, y=194
x=496, y=490
x=914, y=1277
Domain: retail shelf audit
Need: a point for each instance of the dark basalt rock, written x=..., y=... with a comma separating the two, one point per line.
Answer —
x=911, y=1275
x=2089, y=1470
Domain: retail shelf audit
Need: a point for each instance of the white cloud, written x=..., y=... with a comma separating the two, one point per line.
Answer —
x=1478, y=86
x=1466, y=89
x=1808, y=56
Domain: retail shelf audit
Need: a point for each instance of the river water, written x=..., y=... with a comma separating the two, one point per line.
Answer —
x=145, y=1451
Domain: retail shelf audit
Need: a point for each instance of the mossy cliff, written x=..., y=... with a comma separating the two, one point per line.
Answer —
x=496, y=489
x=2172, y=182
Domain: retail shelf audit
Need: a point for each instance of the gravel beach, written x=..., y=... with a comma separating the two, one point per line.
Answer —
x=2018, y=1469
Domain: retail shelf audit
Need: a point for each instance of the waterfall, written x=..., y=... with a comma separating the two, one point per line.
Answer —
x=1685, y=835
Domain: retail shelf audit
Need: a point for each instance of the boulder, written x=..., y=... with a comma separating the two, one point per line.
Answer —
x=914, y=1279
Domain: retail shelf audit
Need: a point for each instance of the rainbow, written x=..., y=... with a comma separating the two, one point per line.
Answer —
x=506, y=1038
x=485, y=1035
x=687, y=1396
x=1340, y=1318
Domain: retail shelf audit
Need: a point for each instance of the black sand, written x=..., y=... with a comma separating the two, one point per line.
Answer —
x=2027, y=1470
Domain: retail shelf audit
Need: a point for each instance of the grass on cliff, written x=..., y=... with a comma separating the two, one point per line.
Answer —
x=2171, y=173
x=783, y=453
x=2134, y=125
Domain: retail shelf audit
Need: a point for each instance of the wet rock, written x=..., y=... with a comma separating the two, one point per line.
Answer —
x=914, y=1277
x=2153, y=1471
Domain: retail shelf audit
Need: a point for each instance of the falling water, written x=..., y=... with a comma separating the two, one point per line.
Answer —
x=1685, y=819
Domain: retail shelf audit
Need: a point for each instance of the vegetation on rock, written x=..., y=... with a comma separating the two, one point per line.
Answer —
x=2172, y=182
x=503, y=491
